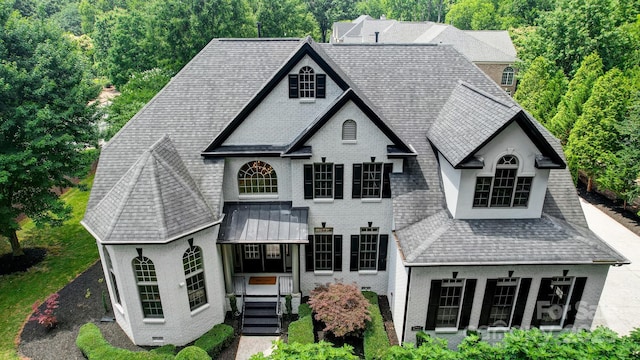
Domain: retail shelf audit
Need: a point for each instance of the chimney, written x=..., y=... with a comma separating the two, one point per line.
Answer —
x=377, y=34
x=259, y=29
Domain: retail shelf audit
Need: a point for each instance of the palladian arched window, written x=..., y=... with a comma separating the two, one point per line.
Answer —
x=505, y=189
x=257, y=177
x=507, y=76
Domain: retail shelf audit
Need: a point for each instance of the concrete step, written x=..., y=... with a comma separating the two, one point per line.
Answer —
x=260, y=330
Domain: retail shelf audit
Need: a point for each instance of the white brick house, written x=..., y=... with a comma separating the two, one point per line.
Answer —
x=268, y=166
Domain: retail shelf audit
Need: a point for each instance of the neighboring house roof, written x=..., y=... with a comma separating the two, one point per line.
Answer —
x=264, y=222
x=477, y=117
x=481, y=46
x=155, y=201
x=409, y=85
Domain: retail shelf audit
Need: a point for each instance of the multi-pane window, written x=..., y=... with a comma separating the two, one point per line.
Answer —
x=272, y=251
x=349, y=130
x=368, y=252
x=323, y=180
x=323, y=249
x=553, y=311
x=194, y=273
x=147, y=282
x=112, y=275
x=449, y=303
x=252, y=251
x=505, y=189
x=257, y=177
x=503, y=301
x=307, y=82
x=371, y=180
x=507, y=76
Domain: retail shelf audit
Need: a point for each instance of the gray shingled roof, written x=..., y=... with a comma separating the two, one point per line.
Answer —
x=546, y=240
x=409, y=84
x=264, y=222
x=155, y=201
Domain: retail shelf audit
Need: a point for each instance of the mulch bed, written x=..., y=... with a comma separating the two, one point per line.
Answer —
x=31, y=257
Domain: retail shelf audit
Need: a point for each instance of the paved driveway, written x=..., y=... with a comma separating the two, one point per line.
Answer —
x=619, y=307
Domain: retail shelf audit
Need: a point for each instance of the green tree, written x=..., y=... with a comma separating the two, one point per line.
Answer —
x=45, y=123
x=540, y=89
x=286, y=18
x=326, y=12
x=373, y=8
x=472, y=15
x=570, y=107
x=594, y=139
x=416, y=10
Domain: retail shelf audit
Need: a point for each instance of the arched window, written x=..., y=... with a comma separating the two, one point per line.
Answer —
x=307, y=82
x=147, y=283
x=507, y=76
x=194, y=274
x=112, y=274
x=257, y=177
x=505, y=189
x=349, y=130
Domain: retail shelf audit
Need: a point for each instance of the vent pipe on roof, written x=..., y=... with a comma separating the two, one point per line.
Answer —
x=259, y=29
x=377, y=33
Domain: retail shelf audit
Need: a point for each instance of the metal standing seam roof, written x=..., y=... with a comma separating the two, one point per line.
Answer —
x=409, y=84
x=263, y=222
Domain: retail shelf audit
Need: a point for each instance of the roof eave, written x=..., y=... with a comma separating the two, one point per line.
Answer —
x=504, y=263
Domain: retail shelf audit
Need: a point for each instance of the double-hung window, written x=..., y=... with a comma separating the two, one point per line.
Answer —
x=194, y=274
x=323, y=181
x=307, y=84
x=148, y=290
x=450, y=303
x=507, y=76
x=369, y=250
x=505, y=189
x=558, y=301
x=324, y=251
x=371, y=180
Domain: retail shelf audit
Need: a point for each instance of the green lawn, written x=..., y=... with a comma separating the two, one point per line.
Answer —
x=70, y=251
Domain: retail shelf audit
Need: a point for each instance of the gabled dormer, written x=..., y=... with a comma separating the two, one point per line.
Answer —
x=494, y=160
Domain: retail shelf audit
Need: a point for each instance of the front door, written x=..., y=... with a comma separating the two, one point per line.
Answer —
x=273, y=258
x=261, y=258
x=252, y=258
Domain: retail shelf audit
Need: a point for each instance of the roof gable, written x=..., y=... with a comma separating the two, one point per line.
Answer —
x=478, y=117
x=306, y=48
x=400, y=147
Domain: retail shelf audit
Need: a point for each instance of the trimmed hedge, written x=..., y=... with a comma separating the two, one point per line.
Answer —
x=376, y=341
x=216, y=339
x=301, y=330
x=168, y=349
x=192, y=353
x=94, y=347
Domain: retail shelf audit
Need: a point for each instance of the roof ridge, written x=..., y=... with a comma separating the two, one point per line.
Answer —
x=446, y=223
x=487, y=95
x=157, y=198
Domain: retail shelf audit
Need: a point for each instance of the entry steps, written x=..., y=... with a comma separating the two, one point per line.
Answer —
x=260, y=318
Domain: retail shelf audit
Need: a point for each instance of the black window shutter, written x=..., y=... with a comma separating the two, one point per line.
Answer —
x=521, y=302
x=382, y=252
x=337, y=252
x=386, y=182
x=357, y=181
x=434, y=302
x=467, y=303
x=321, y=86
x=355, y=245
x=576, y=295
x=543, y=295
x=339, y=182
x=487, y=302
x=293, y=86
x=308, y=181
x=308, y=254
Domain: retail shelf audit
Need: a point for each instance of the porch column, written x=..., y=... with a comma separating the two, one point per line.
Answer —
x=227, y=266
x=295, y=267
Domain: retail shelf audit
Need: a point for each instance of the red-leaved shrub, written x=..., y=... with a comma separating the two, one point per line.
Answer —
x=342, y=308
x=46, y=317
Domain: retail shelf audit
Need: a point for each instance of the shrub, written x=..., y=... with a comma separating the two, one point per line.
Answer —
x=46, y=317
x=342, y=308
x=193, y=353
x=95, y=347
x=376, y=341
x=168, y=349
x=319, y=351
x=301, y=330
x=216, y=339
x=287, y=305
x=304, y=310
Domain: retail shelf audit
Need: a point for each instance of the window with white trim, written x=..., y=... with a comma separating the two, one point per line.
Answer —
x=194, y=274
x=371, y=180
x=323, y=249
x=307, y=82
x=552, y=312
x=257, y=177
x=507, y=76
x=322, y=180
x=112, y=275
x=349, y=130
x=147, y=283
x=504, y=297
x=505, y=189
x=368, y=254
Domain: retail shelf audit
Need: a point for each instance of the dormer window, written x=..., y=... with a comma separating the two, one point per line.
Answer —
x=505, y=189
x=306, y=84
